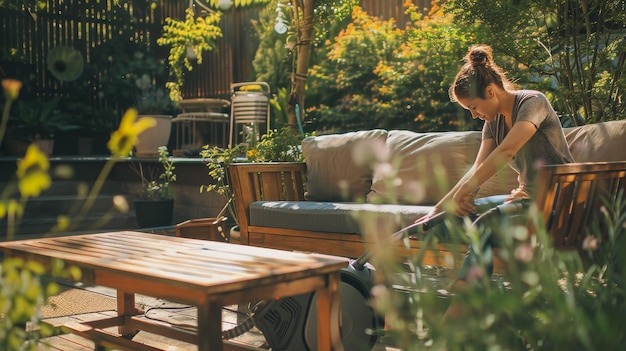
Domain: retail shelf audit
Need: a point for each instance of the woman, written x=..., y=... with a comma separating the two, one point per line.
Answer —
x=521, y=129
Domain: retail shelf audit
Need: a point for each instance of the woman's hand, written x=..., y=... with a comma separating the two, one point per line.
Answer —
x=464, y=204
x=436, y=210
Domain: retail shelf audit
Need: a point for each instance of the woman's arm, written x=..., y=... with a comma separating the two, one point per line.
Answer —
x=517, y=137
x=486, y=147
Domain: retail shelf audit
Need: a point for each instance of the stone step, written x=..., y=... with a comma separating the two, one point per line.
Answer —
x=55, y=205
x=83, y=187
x=91, y=223
x=68, y=197
x=69, y=187
x=41, y=214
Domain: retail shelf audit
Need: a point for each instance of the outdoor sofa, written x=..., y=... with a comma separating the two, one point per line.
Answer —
x=329, y=203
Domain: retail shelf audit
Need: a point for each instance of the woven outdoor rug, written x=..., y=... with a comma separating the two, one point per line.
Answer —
x=77, y=301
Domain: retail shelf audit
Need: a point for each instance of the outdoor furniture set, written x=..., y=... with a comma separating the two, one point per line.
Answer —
x=300, y=206
x=319, y=206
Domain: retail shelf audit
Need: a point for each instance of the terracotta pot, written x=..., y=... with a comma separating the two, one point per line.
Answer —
x=85, y=145
x=45, y=145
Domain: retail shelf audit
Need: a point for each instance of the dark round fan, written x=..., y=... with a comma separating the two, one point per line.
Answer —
x=65, y=63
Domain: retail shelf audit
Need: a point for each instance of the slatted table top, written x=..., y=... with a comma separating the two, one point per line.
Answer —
x=212, y=267
x=206, y=274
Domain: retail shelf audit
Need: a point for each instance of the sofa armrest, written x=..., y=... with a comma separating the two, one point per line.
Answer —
x=280, y=181
x=570, y=196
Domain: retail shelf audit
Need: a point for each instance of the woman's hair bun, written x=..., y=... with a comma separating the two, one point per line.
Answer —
x=477, y=73
x=479, y=55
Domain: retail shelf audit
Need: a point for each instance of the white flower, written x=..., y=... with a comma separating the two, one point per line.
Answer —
x=524, y=253
x=590, y=243
x=385, y=169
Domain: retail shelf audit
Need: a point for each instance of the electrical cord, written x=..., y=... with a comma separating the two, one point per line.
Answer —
x=234, y=332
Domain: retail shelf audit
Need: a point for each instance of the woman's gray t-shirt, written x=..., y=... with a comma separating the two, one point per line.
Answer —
x=547, y=146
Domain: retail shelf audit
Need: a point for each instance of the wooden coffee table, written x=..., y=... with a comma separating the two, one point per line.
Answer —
x=206, y=274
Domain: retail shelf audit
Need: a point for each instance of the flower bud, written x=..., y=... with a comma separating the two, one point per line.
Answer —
x=590, y=243
x=11, y=88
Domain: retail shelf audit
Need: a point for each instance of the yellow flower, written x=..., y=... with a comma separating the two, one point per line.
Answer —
x=63, y=222
x=252, y=154
x=125, y=137
x=11, y=88
x=32, y=172
x=4, y=209
x=11, y=209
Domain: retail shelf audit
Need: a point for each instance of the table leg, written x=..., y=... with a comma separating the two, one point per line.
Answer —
x=328, y=315
x=210, y=326
x=126, y=307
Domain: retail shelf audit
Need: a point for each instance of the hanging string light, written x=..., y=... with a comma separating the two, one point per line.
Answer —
x=224, y=5
x=282, y=25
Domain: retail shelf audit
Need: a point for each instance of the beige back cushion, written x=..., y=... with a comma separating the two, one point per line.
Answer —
x=426, y=166
x=598, y=142
x=429, y=164
x=337, y=164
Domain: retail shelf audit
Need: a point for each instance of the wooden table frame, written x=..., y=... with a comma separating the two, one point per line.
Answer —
x=206, y=274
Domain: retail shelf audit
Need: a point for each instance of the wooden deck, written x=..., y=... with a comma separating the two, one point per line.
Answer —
x=185, y=318
x=179, y=315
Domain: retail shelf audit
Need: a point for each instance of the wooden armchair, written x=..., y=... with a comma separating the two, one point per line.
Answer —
x=571, y=195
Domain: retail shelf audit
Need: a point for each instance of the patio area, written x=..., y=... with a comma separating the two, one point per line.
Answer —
x=79, y=303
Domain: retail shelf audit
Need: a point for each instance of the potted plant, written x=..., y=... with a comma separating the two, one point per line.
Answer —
x=276, y=146
x=217, y=161
x=187, y=40
x=155, y=206
x=37, y=122
x=154, y=102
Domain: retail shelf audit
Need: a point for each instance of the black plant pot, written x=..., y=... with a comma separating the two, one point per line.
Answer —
x=154, y=213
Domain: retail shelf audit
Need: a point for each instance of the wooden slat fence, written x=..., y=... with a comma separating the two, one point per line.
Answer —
x=386, y=9
x=84, y=25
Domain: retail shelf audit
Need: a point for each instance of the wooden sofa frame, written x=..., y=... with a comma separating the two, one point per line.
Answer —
x=568, y=196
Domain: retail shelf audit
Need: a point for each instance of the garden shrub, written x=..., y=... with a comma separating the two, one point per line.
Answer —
x=274, y=63
x=379, y=76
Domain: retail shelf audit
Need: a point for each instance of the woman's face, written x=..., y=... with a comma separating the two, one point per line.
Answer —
x=485, y=109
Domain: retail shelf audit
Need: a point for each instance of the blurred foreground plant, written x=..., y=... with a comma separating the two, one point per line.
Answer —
x=23, y=290
x=549, y=299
